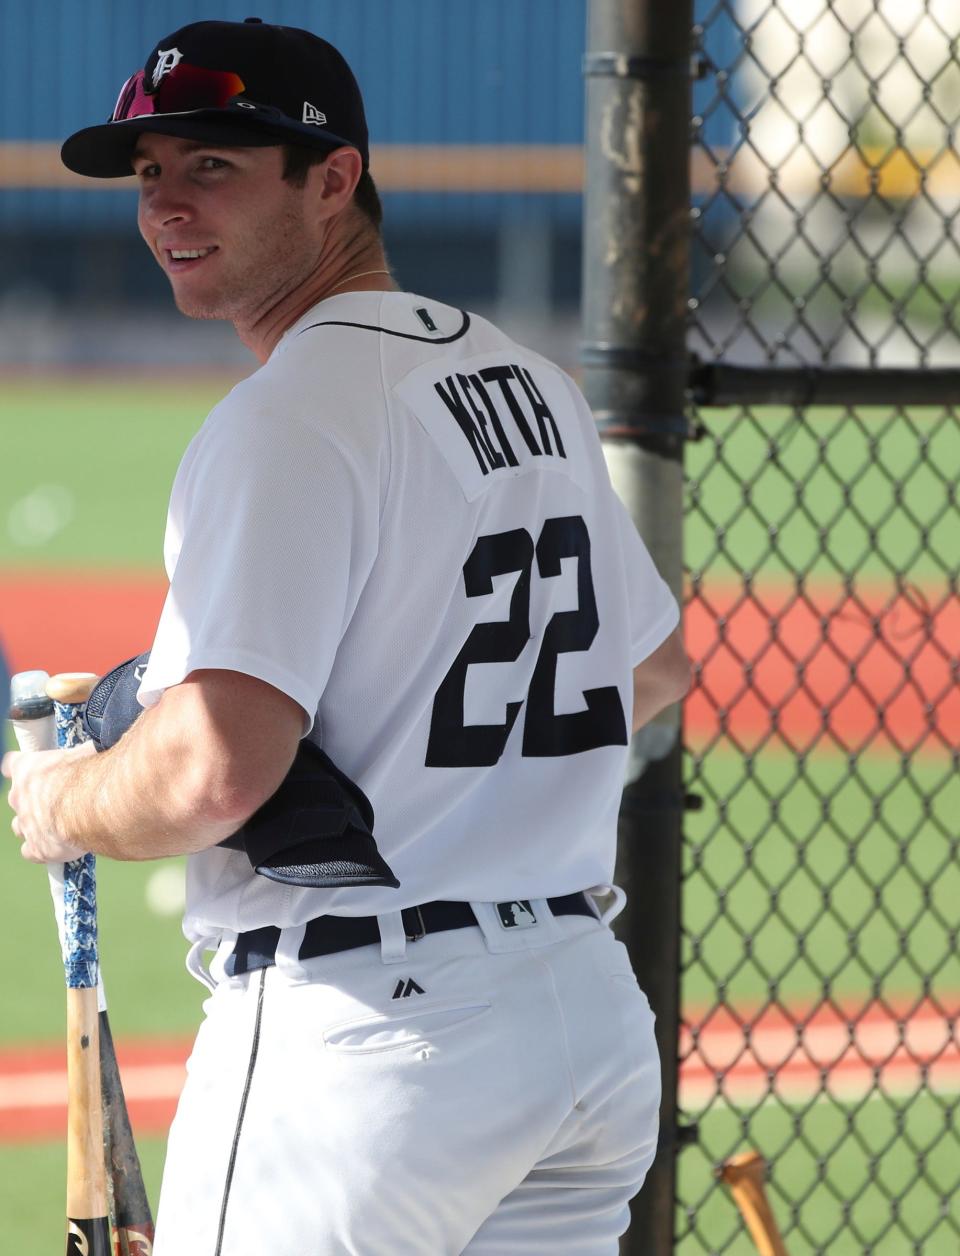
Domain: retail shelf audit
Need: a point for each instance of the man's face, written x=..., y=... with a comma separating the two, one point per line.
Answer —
x=231, y=235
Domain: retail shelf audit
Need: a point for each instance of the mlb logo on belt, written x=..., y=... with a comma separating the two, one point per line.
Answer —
x=516, y=915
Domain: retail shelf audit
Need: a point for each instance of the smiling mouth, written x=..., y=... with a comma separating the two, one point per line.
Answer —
x=189, y=255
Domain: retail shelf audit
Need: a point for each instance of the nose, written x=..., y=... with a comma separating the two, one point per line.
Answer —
x=163, y=203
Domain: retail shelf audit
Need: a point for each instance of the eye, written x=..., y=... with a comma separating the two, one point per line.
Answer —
x=147, y=171
x=213, y=163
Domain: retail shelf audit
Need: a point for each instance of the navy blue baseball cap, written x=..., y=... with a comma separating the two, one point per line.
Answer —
x=247, y=84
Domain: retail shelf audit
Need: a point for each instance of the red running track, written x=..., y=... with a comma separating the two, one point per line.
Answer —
x=75, y=621
x=847, y=1053
x=827, y=667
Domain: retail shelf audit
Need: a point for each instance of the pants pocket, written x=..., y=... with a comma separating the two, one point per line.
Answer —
x=410, y=1027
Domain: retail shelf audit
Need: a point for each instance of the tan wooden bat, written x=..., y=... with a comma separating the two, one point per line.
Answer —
x=32, y=716
x=88, y=1215
x=744, y=1174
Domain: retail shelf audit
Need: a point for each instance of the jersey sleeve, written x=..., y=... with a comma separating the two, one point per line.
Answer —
x=272, y=530
x=654, y=612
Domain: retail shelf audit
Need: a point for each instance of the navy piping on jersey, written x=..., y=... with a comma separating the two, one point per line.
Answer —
x=404, y=335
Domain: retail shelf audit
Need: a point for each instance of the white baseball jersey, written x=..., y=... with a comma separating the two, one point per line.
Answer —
x=404, y=521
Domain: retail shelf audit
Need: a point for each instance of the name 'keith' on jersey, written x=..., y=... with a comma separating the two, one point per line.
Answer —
x=493, y=418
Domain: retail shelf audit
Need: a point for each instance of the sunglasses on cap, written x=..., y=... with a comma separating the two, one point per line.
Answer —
x=181, y=90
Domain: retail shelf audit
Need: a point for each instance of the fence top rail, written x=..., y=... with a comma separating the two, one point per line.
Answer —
x=726, y=384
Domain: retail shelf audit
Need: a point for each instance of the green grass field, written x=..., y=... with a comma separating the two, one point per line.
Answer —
x=88, y=463
x=32, y=1180
x=859, y=896
x=872, y=497
x=835, y=1169
x=826, y=492
x=870, y=884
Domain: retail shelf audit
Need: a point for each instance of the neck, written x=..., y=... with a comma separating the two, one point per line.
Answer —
x=345, y=265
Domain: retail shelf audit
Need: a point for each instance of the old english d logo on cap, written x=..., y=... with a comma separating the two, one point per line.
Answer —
x=167, y=59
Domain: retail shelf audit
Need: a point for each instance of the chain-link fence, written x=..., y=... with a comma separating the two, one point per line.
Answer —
x=820, y=978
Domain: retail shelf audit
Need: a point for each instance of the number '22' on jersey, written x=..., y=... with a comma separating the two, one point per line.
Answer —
x=452, y=742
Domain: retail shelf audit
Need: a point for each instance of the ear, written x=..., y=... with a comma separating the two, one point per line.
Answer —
x=333, y=181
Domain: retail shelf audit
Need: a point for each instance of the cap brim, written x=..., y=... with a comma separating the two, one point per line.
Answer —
x=106, y=151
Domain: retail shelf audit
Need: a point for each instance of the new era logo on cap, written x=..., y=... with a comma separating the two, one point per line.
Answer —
x=313, y=115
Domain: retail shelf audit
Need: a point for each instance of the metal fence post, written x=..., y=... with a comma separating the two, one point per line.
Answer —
x=636, y=226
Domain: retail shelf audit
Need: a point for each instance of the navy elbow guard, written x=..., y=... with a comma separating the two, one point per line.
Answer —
x=316, y=831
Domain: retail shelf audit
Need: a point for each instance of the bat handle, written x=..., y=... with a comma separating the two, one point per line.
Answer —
x=32, y=714
x=69, y=691
x=88, y=1222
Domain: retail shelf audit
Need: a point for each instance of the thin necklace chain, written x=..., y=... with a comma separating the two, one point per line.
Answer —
x=360, y=274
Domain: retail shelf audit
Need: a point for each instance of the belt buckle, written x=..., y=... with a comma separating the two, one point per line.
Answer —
x=420, y=926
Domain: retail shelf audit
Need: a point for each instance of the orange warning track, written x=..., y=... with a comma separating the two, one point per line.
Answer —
x=827, y=667
x=76, y=621
x=846, y=1053
x=33, y=1087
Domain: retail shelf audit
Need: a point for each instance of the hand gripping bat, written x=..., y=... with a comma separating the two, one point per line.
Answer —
x=101, y=1176
x=744, y=1175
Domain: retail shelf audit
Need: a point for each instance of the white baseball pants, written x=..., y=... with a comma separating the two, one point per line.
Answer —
x=487, y=1091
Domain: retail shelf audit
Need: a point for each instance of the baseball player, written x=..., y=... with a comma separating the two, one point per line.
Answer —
x=395, y=543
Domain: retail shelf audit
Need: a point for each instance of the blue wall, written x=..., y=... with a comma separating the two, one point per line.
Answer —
x=432, y=71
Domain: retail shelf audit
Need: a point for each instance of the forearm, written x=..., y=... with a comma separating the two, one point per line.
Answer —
x=648, y=705
x=188, y=773
x=660, y=680
x=139, y=800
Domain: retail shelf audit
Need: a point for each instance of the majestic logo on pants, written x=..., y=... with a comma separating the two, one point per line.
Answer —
x=517, y=914
x=406, y=988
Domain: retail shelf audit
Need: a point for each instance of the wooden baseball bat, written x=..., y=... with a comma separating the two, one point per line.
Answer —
x=88, y=1216
x=744, y=1175
x=32, y=716
x=129, y=1208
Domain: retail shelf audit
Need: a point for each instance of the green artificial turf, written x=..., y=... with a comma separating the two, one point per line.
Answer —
x=88, y=462
x=32, y=1195
x=880, y=1177
x=868, y=493
x=823, y=491
x=821, y=876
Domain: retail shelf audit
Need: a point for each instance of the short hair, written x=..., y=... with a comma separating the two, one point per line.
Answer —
x=298, y=159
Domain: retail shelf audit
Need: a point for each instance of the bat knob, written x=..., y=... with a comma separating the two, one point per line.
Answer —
x=71, y=687
x=28, y=696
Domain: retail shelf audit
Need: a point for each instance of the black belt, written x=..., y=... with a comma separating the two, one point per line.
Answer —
x=326, y=935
